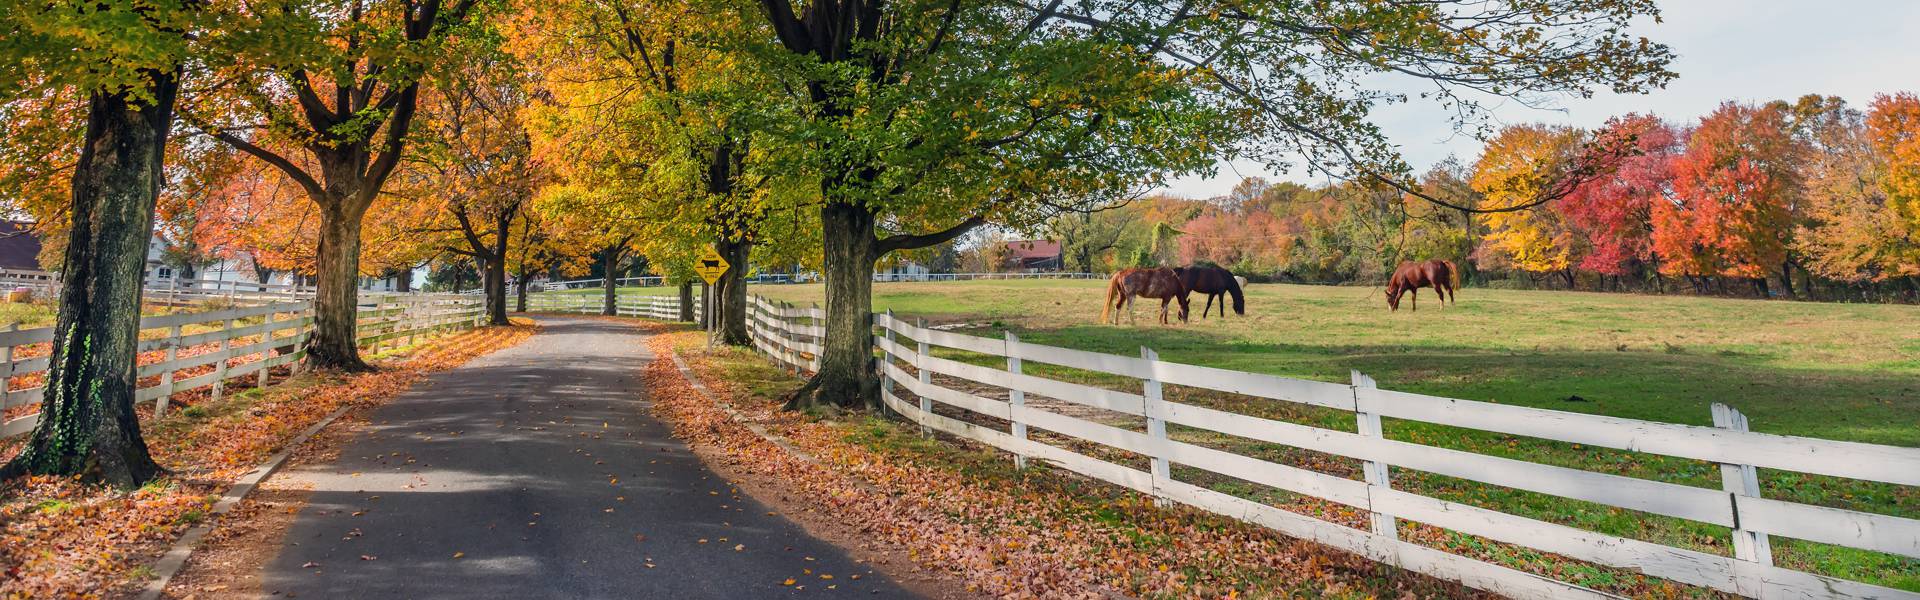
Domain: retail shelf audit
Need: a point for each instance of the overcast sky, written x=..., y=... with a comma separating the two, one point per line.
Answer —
x=1747, y=50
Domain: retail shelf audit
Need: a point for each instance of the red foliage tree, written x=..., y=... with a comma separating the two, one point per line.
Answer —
x=1733, y=190
x=1616, y=210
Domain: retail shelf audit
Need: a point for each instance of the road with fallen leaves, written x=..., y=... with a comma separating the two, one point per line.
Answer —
x=539, y=472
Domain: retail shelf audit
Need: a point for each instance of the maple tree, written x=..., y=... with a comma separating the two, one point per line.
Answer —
x=476, y=160
x=125, y=59
x=1518, y=166
x=1733, y=187
x=1616, y=210
x=1893, y=126
x=327, y=93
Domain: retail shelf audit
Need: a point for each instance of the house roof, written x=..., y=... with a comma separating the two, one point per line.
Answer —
x=19, y=247
x=1028, y=249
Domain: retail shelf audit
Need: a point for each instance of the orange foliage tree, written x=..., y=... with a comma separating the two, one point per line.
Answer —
x=1733, y=190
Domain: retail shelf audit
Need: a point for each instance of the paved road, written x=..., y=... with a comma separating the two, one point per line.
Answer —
x=536, y=472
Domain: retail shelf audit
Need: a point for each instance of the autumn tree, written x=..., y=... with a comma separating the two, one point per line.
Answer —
x=327, y=93
x=1615, y=210
x=125, y=59
x=928, y=118
x=475, y=159
x=1734, y=188
x=1518, y=166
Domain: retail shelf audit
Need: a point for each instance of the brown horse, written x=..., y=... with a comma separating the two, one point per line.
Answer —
x=1438, y=274
x=1209, y=279
x=1157, y=282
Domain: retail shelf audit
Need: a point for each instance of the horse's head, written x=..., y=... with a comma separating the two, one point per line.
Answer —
x=1183, y=306
x=1393, y=298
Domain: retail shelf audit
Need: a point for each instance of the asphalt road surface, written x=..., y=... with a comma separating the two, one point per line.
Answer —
x=539, y=472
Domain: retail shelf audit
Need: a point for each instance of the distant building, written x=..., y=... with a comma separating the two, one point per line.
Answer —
x=903, y=270
x=20, y=256
x=1033, y=255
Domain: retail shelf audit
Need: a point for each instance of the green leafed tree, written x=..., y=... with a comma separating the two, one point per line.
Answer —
x=125, y=60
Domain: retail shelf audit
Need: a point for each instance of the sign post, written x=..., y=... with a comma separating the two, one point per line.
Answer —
x=710, y=265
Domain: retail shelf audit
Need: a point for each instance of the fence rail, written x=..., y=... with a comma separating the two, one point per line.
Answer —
x=790, y=335
x=666, y=308
x=775, y=278
x=235, y=343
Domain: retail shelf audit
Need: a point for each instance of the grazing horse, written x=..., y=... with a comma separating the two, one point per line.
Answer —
x=1157, y=282
x=1214, y=282
x=1438, y=274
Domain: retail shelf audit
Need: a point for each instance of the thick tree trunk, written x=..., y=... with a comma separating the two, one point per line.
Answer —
x=610, y=296
x=520, y=293
x=706, y=304
x=731, y=293
x=88, y=426
x=846, y=376
x=403, y=280
x=337, y=295
x=494, y=284
x=1786, y=278
x=686, y=301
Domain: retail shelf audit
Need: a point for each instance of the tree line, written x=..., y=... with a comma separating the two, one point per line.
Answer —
x=341, y=139
x=1810, y=198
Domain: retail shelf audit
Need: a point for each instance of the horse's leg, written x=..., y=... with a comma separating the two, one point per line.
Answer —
x=1163, y=309
x=1416, y=299
x=1208, y=309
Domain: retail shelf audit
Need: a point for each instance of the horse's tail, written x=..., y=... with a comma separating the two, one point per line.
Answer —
x=1113, y=288
x=1453, y=273
x=1239, y=299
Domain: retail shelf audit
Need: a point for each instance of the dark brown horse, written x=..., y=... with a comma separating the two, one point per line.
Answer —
x=1438, y=274
x=1157, y=282
x=1209, y=279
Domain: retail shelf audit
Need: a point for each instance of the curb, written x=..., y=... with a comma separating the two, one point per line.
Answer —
x=701, y=388
x=175, y=559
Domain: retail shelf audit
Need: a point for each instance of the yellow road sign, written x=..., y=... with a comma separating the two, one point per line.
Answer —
x=710, y=265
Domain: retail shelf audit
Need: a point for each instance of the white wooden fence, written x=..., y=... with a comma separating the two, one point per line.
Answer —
x=666, y=308
x=790, y=335
x=246, y=339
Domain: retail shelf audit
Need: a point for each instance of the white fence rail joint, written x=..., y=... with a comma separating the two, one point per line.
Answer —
x=789, y=336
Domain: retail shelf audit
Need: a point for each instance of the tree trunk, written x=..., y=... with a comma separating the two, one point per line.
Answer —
x=706, y=304
x=520, y=293
x=731, y=293
x=337, y=295
x=686, y=300
x=403, y=279
x=88, y=426
x=846, y=376
x=611, y=263
x=494, y=284
x=1786, y=277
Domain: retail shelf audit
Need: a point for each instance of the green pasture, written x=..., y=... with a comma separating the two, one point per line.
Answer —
x=1836, y=371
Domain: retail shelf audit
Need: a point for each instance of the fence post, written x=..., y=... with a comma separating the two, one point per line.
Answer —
x=220, y=366
x=266, y=349
x=1376, y=472
x=1741, y=480
x=1016, y=399
x=1153, y=409
x=886, y=354
x=6, y=356
x=926, y=377
x=166, y=377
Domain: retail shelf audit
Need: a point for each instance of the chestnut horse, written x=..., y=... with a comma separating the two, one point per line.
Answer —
x=1156, y=282
x=1215, y=282
x=1438, y=274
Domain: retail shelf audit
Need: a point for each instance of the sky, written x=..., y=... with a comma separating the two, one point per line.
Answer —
x=1745, y=50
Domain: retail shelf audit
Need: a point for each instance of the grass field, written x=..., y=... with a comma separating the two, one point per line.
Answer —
x=1847, y=372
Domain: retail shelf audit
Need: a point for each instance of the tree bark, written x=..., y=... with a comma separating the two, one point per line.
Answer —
x=404, y=280
x=686, y=301
x=88, y=426
x=494, y=284
x=846, y=376
x=336, y=300
x=731, y=293
x=520, y=293
x=610, y=261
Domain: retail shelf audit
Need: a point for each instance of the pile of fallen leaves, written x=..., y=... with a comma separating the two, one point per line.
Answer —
x=61, y=538
x=965, y=510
